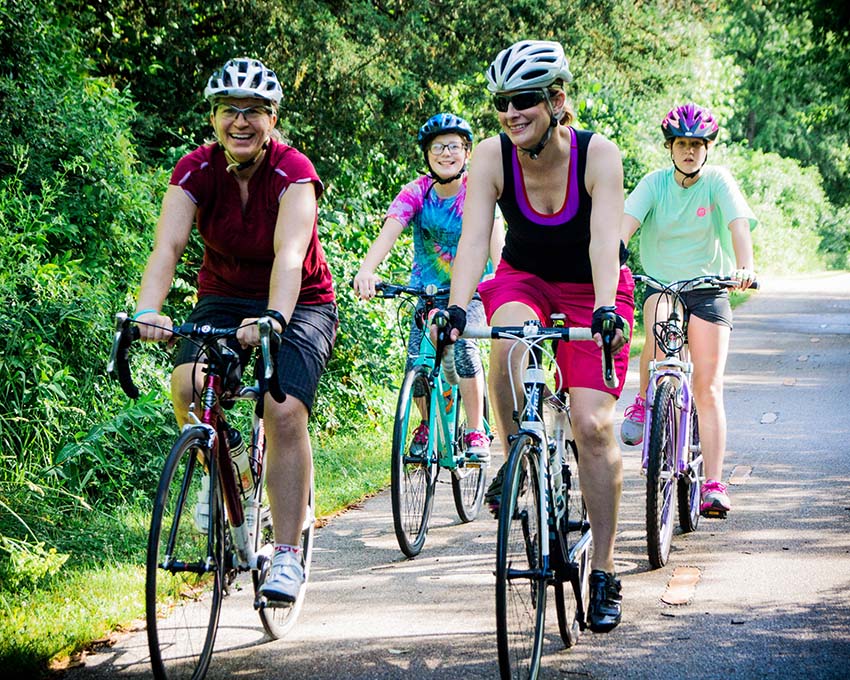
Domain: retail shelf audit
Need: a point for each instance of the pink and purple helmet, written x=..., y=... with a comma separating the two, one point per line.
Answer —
x=690, y=120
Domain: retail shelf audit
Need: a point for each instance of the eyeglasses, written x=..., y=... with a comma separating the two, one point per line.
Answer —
x=521, y=100
x=252, y=114
x=436, y=148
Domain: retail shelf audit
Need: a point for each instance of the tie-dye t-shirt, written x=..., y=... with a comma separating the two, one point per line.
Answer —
x=436, y=224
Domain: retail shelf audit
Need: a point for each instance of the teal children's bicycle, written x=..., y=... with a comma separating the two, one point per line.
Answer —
x=427, y=396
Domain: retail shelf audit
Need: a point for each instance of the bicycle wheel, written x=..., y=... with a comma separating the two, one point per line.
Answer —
x=520, y=579
x=185, y=567
x=660, y=476
x=575, y=544
x=414, y=468
x=690, y=486
x=467, y=481
x=278, y=621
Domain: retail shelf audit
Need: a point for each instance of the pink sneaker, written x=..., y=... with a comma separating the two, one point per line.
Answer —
x=419, y=446
x=631, y=431
x=477, y=446
x=715, y=500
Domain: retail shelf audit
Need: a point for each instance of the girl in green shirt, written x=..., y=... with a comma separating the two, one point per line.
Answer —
x=693, y=221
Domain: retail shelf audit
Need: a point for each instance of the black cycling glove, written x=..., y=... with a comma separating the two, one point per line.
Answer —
x=457, y=320
x=607, y=319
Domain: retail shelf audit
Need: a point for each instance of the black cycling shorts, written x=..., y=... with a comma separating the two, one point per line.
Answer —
x=305, y=348
x=708, y=304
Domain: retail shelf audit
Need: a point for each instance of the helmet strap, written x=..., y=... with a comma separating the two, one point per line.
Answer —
x=688, y=175
x=535, y=151
x=439, y=180
x=236, y=166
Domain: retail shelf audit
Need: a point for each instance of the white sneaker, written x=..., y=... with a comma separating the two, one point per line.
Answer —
x=201, y=514
x=285, y=578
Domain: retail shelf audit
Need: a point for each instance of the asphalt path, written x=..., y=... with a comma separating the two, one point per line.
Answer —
x=772, y=591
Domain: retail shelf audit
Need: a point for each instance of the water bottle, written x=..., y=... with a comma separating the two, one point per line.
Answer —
x=241, y=462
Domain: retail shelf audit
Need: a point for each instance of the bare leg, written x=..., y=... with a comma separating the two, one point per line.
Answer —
x=182, y=392
x=290, y=463
x=600, y=468
x=472, y=395
x=709, y=345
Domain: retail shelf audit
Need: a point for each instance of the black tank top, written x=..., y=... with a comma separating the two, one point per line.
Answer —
x=554, y=247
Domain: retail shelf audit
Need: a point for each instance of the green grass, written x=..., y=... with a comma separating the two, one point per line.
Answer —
x=97, y=586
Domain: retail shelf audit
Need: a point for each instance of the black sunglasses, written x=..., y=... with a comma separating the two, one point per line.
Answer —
x=521, y=100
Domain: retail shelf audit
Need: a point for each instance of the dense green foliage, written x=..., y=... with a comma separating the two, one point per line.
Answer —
x=98, y=99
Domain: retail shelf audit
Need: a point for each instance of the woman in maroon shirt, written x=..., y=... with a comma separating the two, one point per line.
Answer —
x=254, y=200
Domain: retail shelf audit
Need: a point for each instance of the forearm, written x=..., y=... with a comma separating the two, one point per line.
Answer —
x=382, y=245
x=605, y=266
x=742, y=243
x=156, y=282
x=285, y=284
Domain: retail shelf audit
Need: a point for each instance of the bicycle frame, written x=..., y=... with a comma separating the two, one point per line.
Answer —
x=550, y=450
x=678, y=370
x=443, y=406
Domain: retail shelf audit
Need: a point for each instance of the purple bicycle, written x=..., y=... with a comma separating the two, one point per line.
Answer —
x=672, y=459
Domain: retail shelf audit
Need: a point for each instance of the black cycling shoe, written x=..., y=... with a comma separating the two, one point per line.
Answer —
x=606, y=606
x=493, y=495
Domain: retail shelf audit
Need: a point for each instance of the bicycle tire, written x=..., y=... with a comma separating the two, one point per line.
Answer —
x=520, y=579
x=575, y=526
x=467, y=482
x=690, y=486
x=278, y=621
x=413, y=476
x=182, y=606
x=660, y=477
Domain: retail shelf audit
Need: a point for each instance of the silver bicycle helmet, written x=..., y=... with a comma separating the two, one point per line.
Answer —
x=527, y=65
x=244, y=77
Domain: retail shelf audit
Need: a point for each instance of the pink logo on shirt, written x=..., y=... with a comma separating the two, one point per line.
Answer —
x=701, y=212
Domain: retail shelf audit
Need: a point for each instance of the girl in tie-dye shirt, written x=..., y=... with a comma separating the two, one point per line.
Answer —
x=432, y=207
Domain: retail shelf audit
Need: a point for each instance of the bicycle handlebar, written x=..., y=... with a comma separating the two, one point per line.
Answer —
x=391, y=290
x=682, y=284
x=532, y=331
x=127, y=332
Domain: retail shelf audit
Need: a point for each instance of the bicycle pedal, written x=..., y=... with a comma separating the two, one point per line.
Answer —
x=262, y=602
x=711, y=513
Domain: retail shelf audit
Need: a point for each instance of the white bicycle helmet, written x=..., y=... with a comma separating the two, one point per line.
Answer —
x=528, y=65
x=244, y=77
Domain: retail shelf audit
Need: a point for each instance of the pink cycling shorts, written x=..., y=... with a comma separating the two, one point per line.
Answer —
x=580, y=361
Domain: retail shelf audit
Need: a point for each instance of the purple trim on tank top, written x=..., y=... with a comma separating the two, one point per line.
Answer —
x=570, y=207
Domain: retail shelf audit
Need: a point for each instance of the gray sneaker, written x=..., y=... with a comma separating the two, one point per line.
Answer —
x=285, y=578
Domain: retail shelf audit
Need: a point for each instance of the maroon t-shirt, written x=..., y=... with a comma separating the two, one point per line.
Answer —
x=239, y=245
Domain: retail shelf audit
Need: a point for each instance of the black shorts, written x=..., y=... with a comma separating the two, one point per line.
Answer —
x=708, y=304
x=304, y=352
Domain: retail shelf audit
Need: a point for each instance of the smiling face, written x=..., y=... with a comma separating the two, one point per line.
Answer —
x=453, y=155
x=525, y=127
x=688, y=153
x=243, y=125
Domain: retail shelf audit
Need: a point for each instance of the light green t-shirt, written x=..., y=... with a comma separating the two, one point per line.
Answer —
x=685, y=233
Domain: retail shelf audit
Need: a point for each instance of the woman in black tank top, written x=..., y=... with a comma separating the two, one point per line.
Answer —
x=561, y=192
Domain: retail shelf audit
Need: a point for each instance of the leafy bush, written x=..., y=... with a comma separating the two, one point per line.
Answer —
x=789, y=202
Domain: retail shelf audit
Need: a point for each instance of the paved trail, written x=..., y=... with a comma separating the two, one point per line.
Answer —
x=773, y=599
